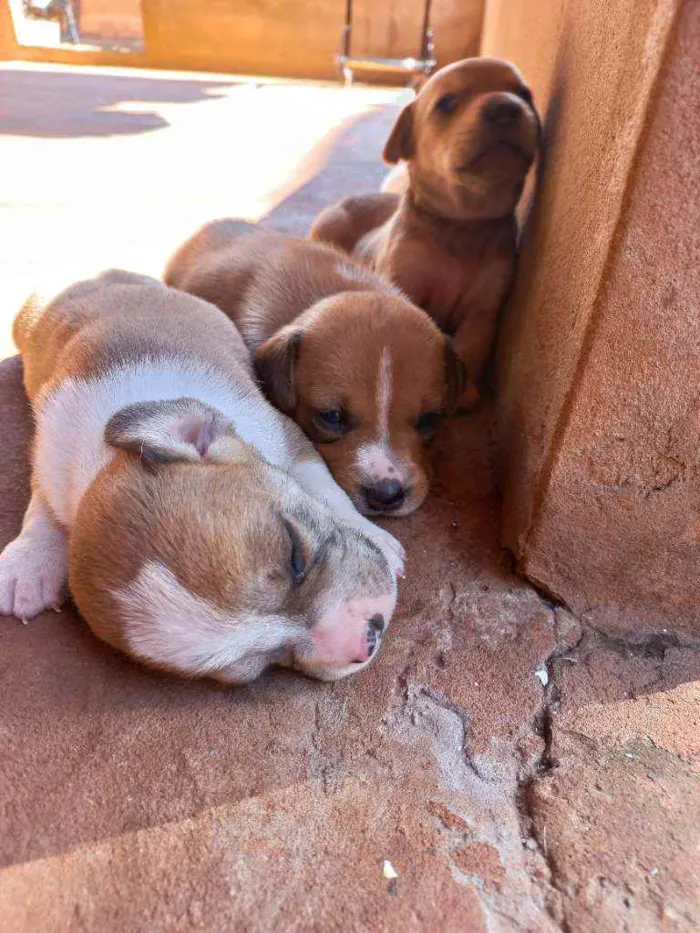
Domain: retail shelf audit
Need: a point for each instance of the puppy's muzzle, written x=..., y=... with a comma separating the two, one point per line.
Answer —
x=375, y=629
x=387, y=495
x=502, y=110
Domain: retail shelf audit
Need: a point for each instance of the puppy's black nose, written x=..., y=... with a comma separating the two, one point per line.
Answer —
x=385, y=496
x=501, y=111
x=377, y=623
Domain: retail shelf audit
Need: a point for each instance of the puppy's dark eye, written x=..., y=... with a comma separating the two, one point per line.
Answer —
x=447, y=104
x=297, y=560
x=334, y=419
x=428, y=422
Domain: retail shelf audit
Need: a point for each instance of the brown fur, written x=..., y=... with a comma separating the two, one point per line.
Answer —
x=75, y=336
x=318, y=325
x=445, y=231
x=172, y=493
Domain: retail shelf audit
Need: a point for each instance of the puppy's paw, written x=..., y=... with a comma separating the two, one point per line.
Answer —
x=32, y=578
x=391, y=548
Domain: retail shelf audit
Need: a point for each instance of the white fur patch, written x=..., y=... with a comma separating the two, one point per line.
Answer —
x=166, y=624
x=70, y=449
x=376, y=461
x=384, y=388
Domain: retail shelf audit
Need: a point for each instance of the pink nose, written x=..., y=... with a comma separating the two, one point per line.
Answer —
x=370, y=643
x=351, y=633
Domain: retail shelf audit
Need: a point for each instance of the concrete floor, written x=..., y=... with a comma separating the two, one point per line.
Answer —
x=519, y=769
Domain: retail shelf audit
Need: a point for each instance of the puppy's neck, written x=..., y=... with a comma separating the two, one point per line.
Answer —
x=424, y=198
x=421, y=211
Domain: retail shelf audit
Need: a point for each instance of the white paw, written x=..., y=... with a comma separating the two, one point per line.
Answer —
x=390, y=547
x=32, y=577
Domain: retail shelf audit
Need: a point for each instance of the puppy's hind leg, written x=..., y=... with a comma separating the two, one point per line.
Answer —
x=34, y=567
x=344, y=224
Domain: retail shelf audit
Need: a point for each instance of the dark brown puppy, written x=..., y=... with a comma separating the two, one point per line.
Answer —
x=363, y=371
x=445, y=230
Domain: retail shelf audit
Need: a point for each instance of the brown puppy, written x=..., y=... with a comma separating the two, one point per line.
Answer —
x=444, y=230
x=199, y=530
x=363, y=371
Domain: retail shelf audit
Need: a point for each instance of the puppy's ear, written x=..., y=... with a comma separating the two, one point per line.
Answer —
x=400, y=145
x=455, y=377
x=276, y=363
x=175, y=430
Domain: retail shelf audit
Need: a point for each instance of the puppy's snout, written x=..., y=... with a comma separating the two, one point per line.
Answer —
x=375, y=627
x=501, y=110
x=386, y=495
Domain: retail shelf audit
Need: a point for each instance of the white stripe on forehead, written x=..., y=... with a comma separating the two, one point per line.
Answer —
x=376, y=461
x=384, y=395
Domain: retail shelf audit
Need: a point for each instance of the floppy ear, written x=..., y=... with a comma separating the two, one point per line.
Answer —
x=175, y=430
x=455, y=377
x=399, y=145
x=276, y=363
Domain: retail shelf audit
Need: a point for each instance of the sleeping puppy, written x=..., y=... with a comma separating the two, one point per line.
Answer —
x=364, y=372
x=198, y=529
x=444, y=230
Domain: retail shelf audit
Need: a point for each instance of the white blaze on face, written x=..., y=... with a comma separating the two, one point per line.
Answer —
x=376, y=461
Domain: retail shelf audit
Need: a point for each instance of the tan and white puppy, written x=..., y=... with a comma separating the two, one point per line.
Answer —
x=444, y=228
x=197, y=527
x=364, y=372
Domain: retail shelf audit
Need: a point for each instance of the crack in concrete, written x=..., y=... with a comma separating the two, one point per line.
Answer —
x=439, y=700
x=651, y=647
x=654, y=648
x=542, y=726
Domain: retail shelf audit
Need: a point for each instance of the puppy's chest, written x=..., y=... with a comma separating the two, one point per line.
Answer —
x=458, y=282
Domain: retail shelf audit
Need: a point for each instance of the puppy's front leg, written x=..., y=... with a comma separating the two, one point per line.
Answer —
x=472, y=343
x=34, y=567
x=315, y=478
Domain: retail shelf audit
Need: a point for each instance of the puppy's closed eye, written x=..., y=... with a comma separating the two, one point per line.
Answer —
x=298, y=561
x=330, y=424
x=447, y=104
x=525, y=94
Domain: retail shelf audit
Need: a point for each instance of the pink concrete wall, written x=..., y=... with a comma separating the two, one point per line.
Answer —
x=597, y=400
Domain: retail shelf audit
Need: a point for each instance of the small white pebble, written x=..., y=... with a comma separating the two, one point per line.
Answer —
x=542, y=676
x=389, y=871
x=653, y=872
x=629, y=755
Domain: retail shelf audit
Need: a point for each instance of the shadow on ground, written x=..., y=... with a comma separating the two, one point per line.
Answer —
x=68, y=104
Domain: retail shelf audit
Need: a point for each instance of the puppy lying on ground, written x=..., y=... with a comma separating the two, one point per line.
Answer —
x=363, y=371
x=198, y=528
x=444, y=230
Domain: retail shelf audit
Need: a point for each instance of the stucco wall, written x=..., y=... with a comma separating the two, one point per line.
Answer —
x=599, y=411
x=286, y=37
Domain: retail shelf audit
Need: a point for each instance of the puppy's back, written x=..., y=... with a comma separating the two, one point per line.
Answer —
x=46, y=324
x=121, y=317
x=260, y=279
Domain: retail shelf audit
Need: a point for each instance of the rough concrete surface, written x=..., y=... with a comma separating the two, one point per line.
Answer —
x=519, y=770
